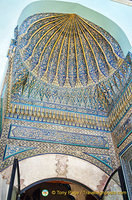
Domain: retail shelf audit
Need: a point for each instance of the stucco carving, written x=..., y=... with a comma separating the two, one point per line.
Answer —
x=62, y=163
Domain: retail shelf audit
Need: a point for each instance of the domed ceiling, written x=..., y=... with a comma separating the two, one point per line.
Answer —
x=65, y=62
x=67, y=50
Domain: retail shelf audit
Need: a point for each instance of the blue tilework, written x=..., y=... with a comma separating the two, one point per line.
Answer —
x=43, y=30
x=12, y=150
x=123, y=131
x=105, y=159
x=56, y=136
x=98, y=98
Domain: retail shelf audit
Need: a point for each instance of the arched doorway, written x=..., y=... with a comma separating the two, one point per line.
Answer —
x=57, y=189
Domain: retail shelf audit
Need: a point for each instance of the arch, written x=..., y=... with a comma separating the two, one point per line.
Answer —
x=48, y=166
x=87, y=13
x=84, y=189
x=63, y=166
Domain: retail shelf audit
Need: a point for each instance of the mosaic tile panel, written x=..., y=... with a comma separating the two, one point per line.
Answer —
x=122, y=107
x=102, y=58
x=49, y=148
x=40, y=147
x=97, y=100
x=38, y=112
x=123, y=132
x=0, y=116
x=12, y=150
x=56, y=136
x=125, y=140
x=55, y=117
x=124, y=144
x=81, y=101
x=2, y=107
x=126, y=157
x=68, y=96
x=106, y=159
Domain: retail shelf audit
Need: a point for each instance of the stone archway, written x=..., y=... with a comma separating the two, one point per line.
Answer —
x=46, y=166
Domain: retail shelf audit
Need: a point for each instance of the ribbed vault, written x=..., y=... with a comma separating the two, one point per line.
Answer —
x=67, y=50
x=67, y=62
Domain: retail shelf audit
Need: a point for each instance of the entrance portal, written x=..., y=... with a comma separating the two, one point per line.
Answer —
x=57, y=190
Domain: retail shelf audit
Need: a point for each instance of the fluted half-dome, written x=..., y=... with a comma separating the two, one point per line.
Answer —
x=67, y=50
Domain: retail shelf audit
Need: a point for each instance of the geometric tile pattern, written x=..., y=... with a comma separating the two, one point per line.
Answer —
x=56, y=136
x=98, y=99
x=67, y=119
x=2, y=107
x=67, y=50
x=28, y=109
x=126, y=163
x=1, y=115
x=102, y=158
x=39, y=77
x=123, y=132
x=95, y=99
x=68, y=73
x=12, y=150
x=122, y=106
x=15, y=141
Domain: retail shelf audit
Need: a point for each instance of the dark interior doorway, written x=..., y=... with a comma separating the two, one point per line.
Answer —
x=49, y=191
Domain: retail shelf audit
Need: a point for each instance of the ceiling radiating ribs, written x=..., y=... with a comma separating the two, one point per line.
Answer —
x=64, y=53
x=55, y=81
x=64, y=26
x=62, y=21
x=109, y=66
x=40, y=58
x=39, y=29
x=76, y=31
x=99, y=71
x=101, y=36
x=67, y=84
x=78, y=82
x=90, y=80
x=44, y=18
